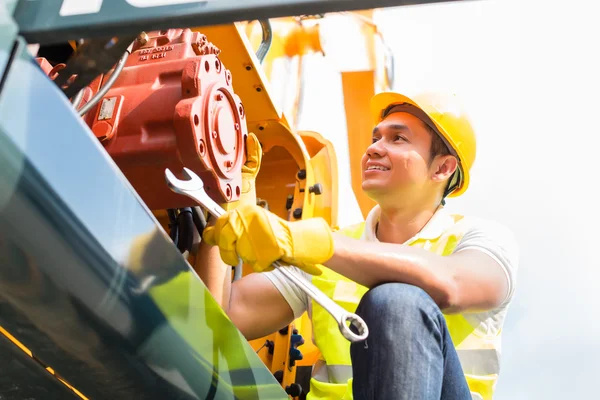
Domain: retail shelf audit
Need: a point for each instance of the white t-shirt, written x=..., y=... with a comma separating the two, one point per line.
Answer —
x=487, y=236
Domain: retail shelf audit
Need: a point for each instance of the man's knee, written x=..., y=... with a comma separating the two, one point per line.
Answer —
x=396, y=299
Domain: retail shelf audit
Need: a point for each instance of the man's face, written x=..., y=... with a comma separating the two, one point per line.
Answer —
x=397, y=162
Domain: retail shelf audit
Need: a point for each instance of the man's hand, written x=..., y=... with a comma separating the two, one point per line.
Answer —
x=260, y=237
x=249, y=172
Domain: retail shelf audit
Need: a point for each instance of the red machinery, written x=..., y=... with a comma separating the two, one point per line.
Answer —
x=172, y=105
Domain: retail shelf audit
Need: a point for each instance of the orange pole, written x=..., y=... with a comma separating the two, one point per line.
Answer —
x=358, y=87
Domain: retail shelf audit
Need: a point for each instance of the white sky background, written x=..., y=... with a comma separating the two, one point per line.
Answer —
x=528, y=73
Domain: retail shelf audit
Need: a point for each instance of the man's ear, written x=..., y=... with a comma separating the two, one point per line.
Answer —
x=444, y=167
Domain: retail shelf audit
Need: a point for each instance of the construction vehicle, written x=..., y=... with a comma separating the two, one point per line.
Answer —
x=97, y=98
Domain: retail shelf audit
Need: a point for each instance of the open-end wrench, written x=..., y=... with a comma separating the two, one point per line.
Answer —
x=194, y=188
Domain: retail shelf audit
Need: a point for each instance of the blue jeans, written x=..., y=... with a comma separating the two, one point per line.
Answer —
x=409, y=354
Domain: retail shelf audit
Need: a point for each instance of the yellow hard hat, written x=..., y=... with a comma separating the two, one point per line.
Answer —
x=449, y=120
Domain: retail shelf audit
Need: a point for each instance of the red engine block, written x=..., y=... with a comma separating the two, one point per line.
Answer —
x=173, y=105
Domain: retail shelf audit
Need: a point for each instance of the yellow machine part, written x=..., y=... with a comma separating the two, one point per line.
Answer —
x=324, y=164
x=297, y=37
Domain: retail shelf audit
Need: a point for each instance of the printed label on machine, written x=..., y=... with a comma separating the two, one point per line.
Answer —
x=107, y=108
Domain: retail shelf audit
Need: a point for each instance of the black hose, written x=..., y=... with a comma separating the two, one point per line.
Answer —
x=185, y=226
x=199, y=220
x=173, y=231
x=267, y=39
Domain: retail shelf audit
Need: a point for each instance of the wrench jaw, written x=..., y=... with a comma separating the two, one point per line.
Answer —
x=193, y=188
x=356, y=321
x=193, y=180
x=173, y=182
x=191, y=183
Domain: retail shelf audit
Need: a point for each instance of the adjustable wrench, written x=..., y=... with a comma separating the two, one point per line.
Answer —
x=194, y=188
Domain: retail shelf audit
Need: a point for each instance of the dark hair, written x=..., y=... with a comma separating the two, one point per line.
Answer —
x=439, y=148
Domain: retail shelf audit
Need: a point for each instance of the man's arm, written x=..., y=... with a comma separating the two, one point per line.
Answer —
x=253, y=303
x=257, y=308
x=215, y=274
x=469, y=280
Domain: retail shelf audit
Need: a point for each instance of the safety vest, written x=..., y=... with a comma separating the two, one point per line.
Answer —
x=479, y=354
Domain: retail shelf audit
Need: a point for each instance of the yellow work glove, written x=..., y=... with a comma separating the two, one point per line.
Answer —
x=260, y=237
x=249, y=172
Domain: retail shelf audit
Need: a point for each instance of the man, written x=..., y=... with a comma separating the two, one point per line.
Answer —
x=433, y=288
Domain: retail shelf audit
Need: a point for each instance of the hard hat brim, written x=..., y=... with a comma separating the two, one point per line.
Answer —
x=381, y=101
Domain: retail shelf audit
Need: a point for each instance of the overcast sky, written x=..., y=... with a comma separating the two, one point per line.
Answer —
x=528, y=72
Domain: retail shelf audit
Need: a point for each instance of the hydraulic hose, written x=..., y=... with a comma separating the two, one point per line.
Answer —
x=390, y=62
x=237, y=271
x=173, y=229
x=267, y=39
x=77, y=99
x=199, y=220
x=185, y=226
x=106, y=87
x=390, y=65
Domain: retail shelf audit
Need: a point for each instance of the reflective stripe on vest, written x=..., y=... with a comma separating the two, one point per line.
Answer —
x=482, y=362
x=334, y=374
x=479, y=354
